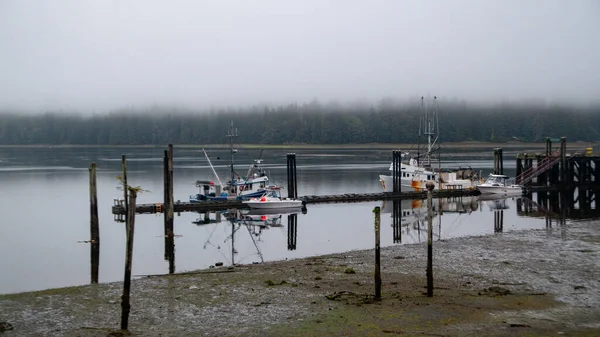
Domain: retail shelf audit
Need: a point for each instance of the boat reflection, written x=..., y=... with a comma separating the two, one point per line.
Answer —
x=252, y=222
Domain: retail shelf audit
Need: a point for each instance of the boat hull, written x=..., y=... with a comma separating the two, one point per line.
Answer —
x=415, y=185
x=500, y=190
x=278, y=204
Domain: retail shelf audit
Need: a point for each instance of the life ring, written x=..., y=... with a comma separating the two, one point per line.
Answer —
x=241, y=188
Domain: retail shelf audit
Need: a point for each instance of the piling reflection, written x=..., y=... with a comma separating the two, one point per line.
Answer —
x=556, y=206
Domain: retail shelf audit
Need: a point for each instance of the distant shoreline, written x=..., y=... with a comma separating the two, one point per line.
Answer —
x=459, y=145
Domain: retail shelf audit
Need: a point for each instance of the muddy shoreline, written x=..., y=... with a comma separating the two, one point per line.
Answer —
x=536, y=282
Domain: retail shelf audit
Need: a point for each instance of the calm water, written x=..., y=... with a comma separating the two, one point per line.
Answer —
x=45, y=202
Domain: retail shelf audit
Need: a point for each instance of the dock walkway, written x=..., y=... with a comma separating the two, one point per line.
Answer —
x=119, y=209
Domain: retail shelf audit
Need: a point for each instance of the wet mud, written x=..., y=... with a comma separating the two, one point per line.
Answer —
x=521, y=283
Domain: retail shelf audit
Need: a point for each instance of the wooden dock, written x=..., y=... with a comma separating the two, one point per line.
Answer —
x=119, y=209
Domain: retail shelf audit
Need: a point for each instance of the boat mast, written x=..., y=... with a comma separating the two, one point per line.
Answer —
x=430, y=130
x=231, y=135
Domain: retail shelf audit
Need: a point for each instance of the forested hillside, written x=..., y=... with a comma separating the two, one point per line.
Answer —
x=311, y=123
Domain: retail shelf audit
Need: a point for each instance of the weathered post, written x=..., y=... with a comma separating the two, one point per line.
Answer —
x=496, y=161
x=563, y=160
x=124, y=181
x=377, y=212
x=292, y=176
x=166, y=200
x=501, y=161
x=396, y=163
x=295, y=179
x=128, y=260
x=394, y=170
x=170, y=207
x=430, y=185
x=94, y=226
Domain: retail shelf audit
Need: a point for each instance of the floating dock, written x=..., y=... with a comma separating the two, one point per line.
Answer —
x=119, y=209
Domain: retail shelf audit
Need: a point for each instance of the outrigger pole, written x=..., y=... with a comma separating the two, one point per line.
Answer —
x=213, y=169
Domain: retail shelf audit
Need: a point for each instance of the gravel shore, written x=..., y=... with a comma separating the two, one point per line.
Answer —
x=538, y=282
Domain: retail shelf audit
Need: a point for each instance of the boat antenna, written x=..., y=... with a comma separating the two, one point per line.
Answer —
x=212, y=167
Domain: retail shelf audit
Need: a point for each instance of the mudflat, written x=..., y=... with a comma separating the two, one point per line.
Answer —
x=521, y=283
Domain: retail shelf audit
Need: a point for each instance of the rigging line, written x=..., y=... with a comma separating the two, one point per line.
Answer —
x=256, y=245
x=210, y=236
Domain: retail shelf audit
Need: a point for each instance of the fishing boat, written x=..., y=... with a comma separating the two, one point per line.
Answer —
x=416, y=171
x=273, y=200
x=499, y=184
x=254, y=184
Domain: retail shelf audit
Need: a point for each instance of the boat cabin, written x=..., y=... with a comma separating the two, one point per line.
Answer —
x=496, y=180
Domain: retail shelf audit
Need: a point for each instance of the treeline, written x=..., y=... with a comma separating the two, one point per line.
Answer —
x=310, y=123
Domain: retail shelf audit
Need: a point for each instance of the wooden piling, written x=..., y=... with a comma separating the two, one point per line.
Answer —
x=94, y=226
x=501, y=160
x=124, y=181
x=170, y=206
x=125, y=305
x=498, y=161
x=292, y=176
x=396, y=171
x=377, y=212
x=563, y=159
x=168, y=202
x=165, y=201
x=430, y=186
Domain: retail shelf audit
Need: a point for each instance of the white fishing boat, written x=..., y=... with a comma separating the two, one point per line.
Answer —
x=499, y=184
x=417, y=171
x=272, y=200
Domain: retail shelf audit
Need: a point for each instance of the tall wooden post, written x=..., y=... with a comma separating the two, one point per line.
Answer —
x=124, y=169
x=377, y=212
x=166, y=201
x=292, y=176
x=125, y=306
x=430, y=186
x=168, y=208
x=94, y=226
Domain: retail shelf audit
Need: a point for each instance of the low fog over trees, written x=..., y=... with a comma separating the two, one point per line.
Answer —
x=310, y=123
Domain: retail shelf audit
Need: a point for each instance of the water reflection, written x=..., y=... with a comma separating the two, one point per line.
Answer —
x=254, y=222
x=453, y=217
x=412, y=214
x=409, y=217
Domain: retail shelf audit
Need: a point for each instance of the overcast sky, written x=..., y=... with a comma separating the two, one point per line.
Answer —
x=98, y=55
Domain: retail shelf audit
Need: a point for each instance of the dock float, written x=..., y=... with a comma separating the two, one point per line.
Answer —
x=119, y=209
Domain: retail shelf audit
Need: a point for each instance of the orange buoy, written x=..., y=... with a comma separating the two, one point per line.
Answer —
x=263, y=198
